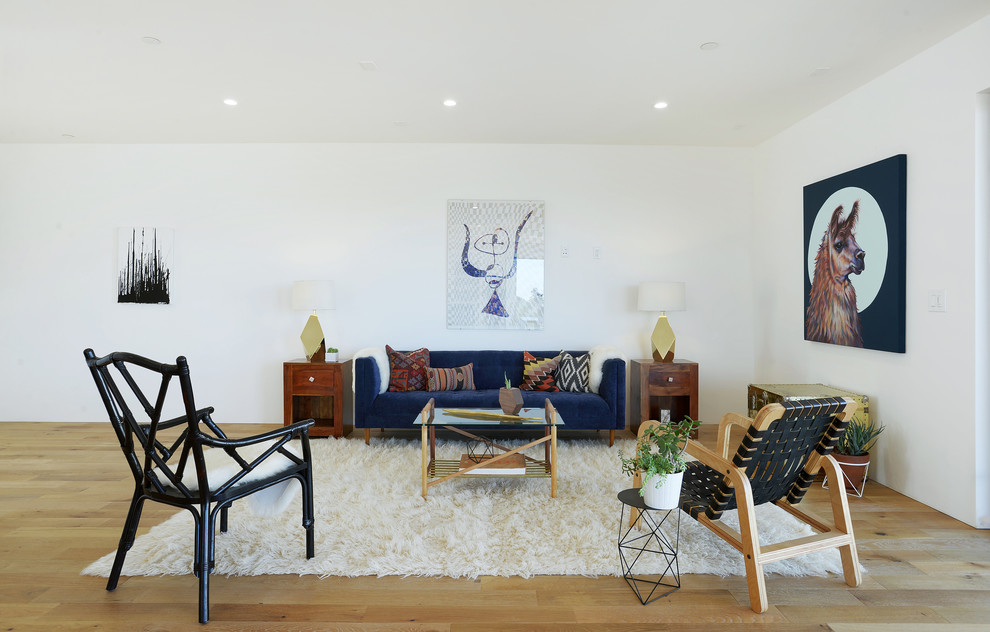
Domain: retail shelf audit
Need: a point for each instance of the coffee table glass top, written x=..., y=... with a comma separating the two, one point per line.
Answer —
x=488, y=417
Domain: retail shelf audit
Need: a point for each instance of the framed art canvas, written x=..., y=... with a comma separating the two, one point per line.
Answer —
x=144, y=263
x=495, y=255
x=854, y=245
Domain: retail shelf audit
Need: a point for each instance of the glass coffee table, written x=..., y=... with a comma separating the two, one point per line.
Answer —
x=495, y=460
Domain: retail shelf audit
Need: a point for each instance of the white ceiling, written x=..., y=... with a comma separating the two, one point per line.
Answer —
x=522, y=71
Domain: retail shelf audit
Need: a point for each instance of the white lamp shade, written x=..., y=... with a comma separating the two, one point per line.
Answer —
x=313, y=295
x=662, y=297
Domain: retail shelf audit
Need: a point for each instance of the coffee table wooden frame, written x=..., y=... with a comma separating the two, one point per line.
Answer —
x=441, y=470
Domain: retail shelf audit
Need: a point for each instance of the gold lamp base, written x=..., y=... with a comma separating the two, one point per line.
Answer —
x=312, y=339
x=662, y=340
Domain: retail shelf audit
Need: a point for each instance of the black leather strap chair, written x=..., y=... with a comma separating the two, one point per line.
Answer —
x=776, y=461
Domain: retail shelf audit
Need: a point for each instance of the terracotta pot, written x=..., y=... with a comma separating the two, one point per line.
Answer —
x=853, y=470
x=511, y=400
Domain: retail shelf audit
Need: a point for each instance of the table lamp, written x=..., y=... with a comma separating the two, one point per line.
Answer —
x=313, y=295
x=662, y=297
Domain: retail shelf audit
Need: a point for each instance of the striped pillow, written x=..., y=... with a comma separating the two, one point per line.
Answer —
x=457, y=379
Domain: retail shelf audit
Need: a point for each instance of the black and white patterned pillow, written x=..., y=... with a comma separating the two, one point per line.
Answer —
x=572, y=373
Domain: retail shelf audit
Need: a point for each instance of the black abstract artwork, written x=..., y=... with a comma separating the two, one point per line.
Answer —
x=144, y=273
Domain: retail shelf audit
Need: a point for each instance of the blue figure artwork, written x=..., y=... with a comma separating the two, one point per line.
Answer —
x=492, y=245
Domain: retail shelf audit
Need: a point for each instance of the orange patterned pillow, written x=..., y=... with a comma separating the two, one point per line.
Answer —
x=538, y=373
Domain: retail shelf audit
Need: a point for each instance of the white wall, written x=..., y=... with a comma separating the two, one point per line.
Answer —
x=250, y=219
x=932, y=398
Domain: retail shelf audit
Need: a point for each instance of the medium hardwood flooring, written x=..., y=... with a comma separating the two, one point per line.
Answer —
x=64, y=492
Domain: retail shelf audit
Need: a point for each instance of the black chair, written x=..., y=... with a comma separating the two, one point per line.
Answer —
x=784, y=448
x=167, y=460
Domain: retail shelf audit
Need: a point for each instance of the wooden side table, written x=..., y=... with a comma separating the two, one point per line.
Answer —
x=657, y=386
x=314, y=390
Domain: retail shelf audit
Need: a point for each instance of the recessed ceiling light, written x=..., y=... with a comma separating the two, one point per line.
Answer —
x=660, y=105
x=368, y=65
x=709, y=46
x=230, y=101
x=147, y=39
x=818, y=72
x=68, y=136
x=450, y=103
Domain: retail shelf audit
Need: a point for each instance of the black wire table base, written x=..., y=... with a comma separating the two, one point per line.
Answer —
x=646, y=536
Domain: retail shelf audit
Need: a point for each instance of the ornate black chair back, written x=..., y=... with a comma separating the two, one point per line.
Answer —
x=165, y=456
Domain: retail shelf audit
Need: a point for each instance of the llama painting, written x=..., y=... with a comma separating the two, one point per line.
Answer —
x=832, y=315
x=848, y=302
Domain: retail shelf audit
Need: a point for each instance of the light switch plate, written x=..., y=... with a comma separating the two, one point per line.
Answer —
x=936, y=300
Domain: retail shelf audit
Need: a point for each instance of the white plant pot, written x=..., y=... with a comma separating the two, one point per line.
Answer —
x=665, y=496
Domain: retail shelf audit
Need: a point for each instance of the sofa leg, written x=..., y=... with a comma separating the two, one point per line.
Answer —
x=611, y=438
x=367, y=436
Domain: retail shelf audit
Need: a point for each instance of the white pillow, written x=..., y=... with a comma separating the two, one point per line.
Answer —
x=381, y=359
x=598, y=356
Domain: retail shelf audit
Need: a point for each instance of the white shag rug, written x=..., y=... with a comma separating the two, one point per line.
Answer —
x=372, y=520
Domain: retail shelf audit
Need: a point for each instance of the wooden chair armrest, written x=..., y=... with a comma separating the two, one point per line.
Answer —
x=708, y=457
x=725, y=429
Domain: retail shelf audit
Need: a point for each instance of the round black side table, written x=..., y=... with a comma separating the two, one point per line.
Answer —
x=645, y=536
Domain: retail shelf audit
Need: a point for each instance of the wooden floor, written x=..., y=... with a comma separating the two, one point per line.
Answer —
x=61, y=507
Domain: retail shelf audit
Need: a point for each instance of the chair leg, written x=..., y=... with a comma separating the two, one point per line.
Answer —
x=126, y=538
x=750, y=541
x=367, y=436
x=223, y=519
x=611, y=438
x=308, y=515
x=843, y=522
x=633, y=512
x=204, y=536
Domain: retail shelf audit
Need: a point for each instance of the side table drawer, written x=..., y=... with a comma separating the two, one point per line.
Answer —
x=315, y=381
x=669, y=377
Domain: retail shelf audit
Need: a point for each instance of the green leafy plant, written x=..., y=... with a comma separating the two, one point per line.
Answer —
x=332, y=350
x=660, y=450
x=508, y=384
x=859, y=437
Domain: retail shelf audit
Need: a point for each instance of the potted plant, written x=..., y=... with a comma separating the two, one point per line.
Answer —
x=331, y=354
x=659, y=458
x=852, y=452
x=510, y=398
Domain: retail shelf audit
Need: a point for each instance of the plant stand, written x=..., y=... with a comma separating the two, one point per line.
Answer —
x=854, y=473
x=644, y=535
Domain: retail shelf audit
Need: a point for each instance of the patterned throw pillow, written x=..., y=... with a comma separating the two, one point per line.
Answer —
x=407, y=371
x=538, y=373
x=572, y=373
x=457, y=379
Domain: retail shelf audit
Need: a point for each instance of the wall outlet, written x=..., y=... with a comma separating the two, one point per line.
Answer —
x=564, y=251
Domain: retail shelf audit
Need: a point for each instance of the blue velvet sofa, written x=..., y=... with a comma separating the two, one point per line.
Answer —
x=604, y=410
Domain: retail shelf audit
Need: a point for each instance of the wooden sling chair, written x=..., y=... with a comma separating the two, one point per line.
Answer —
x=776, y=461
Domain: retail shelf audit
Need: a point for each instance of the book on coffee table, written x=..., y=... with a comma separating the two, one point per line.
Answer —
x=513, y=465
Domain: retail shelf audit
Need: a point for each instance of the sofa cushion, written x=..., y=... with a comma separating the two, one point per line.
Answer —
x=572, y=372
x=407, y=371
x=459, y=378
x=538, y=373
